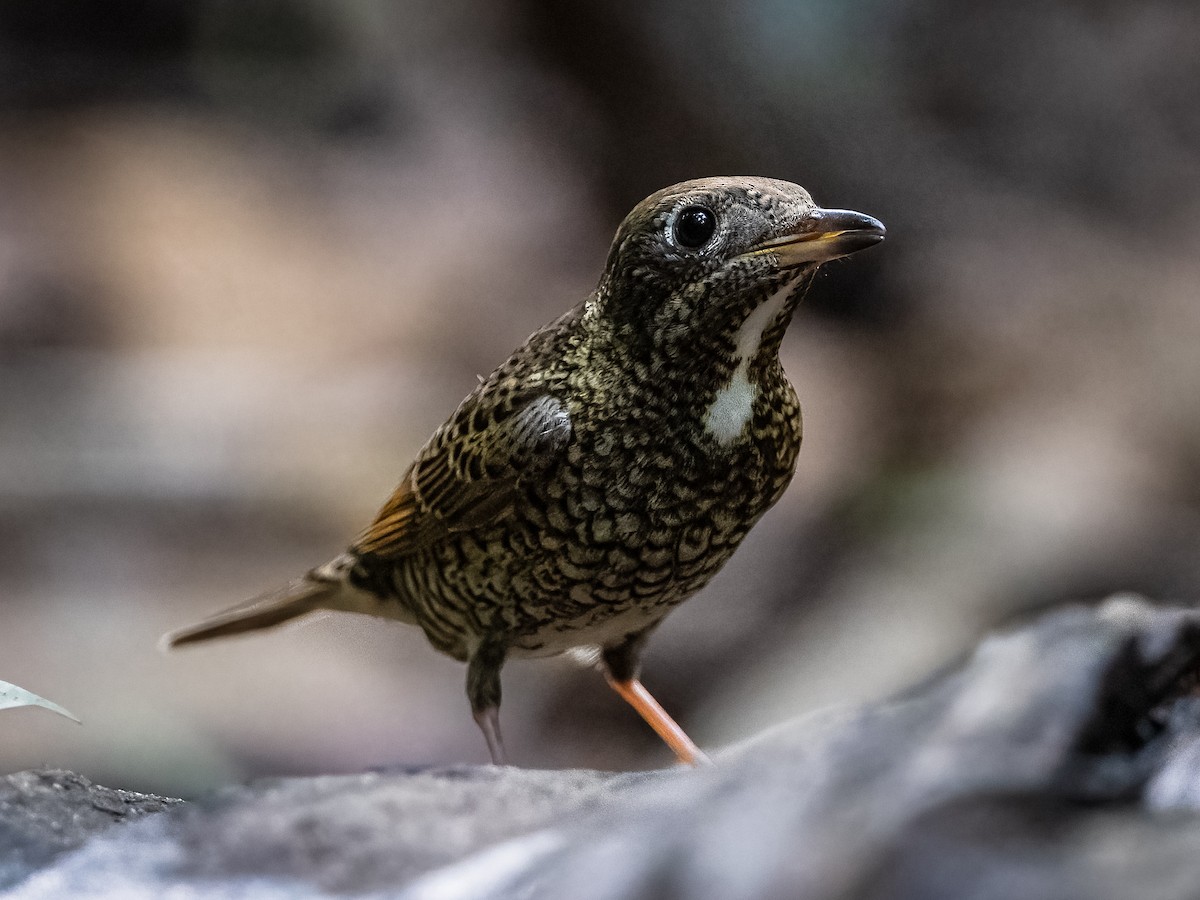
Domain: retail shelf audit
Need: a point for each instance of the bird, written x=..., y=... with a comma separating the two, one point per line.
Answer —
x=605, y=471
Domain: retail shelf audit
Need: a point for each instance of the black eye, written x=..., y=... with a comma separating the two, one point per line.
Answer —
x=694, y=226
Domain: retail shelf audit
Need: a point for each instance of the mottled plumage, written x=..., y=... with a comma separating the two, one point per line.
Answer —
x=606, y=471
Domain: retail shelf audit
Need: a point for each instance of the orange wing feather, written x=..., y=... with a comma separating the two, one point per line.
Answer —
x=446, y=490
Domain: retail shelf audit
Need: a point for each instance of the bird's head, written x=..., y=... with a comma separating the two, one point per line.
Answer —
x=691, y=261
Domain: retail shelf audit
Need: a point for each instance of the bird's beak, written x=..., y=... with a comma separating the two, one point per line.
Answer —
x=824, y=234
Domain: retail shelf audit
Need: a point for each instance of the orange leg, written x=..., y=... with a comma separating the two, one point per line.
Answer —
x=633, y=693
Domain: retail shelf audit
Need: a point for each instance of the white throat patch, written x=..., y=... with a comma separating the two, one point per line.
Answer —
x=730, y=411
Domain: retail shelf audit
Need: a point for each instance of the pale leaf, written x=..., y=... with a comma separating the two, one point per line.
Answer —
x=11, y=695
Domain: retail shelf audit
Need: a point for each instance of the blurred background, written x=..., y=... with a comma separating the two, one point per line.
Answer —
x=252, y=253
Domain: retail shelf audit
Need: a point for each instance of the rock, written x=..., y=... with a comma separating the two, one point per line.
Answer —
x=1061, y=760
x=45, y=814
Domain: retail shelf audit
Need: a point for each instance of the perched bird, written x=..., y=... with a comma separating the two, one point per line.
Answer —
x=610, y=466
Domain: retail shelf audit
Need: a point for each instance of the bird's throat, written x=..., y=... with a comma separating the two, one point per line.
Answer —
x=732, y=407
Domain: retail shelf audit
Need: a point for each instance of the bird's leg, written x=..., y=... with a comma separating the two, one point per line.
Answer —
x=635, y=694
x=483, y=690
x=621, y=663
x=488, y=720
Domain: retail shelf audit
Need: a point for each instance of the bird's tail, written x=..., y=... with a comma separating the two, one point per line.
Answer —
x=319, y=589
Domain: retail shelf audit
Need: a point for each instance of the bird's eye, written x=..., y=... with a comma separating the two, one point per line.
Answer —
x=694, y=226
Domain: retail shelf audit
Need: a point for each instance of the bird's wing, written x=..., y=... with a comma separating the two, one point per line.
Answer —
x=468, y=473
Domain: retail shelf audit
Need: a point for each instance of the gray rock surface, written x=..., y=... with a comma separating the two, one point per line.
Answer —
x=1060, y=760
x=45, y=814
